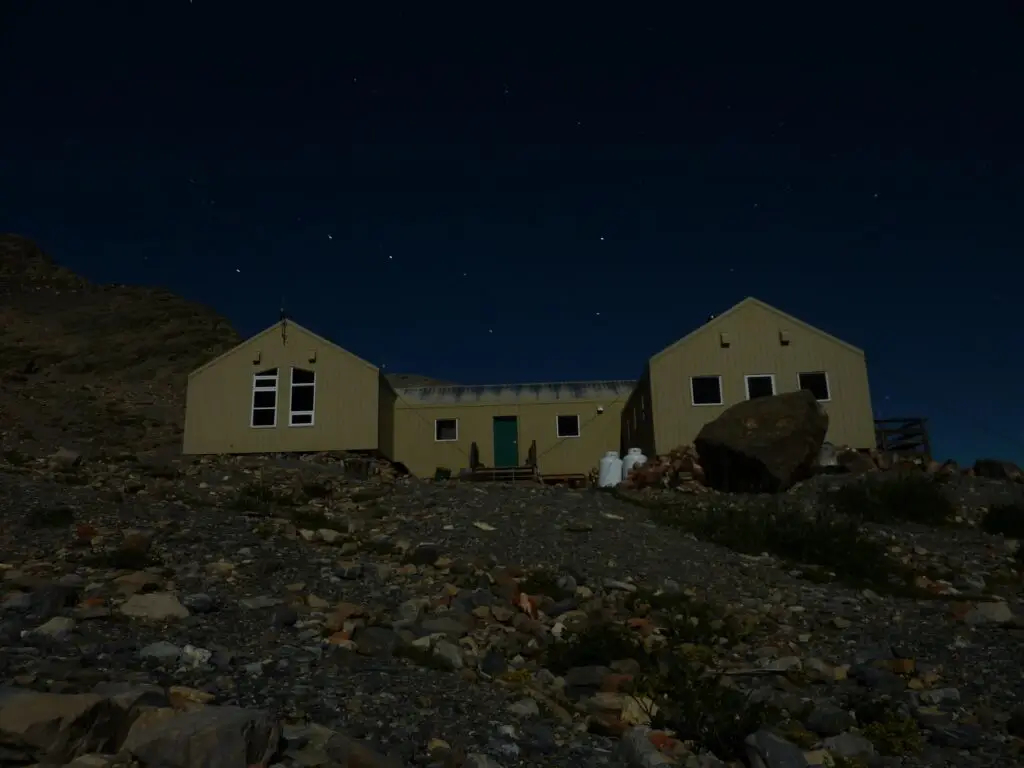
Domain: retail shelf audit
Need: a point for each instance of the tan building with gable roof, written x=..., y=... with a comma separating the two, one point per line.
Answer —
x=749, y=351
x=287, y=389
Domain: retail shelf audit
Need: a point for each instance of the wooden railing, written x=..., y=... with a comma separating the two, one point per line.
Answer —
x=903, y=436
x=526, y=472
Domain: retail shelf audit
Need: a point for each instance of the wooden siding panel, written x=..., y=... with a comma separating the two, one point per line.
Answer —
x=599, y=432
x=219, y=399
x=755, y=348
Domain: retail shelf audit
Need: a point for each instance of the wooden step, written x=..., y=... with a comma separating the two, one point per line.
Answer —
x=504, y=474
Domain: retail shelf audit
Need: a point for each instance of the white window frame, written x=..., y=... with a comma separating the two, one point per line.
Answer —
x=579, y=427
x=749, y=376
x=721, y=393
x=260, y=384
x=828, y=383
x=292, y=413
x=446, y=439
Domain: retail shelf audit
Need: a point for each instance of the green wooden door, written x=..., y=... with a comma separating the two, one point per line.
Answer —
x=506, y=441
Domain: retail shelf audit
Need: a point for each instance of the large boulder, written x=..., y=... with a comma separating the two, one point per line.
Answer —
x=56, y=728
x=763, y=445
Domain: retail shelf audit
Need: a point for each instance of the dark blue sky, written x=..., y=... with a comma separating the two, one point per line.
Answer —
x=497, y=197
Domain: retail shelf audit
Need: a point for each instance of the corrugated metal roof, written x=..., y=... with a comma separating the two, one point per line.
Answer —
x=516, y=393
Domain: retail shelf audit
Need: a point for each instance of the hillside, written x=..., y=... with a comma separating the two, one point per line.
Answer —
x=100, y=366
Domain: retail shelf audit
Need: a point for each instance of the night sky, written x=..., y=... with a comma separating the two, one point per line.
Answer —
x=508, y=195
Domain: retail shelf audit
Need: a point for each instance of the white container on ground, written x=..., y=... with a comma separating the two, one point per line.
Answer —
x=827, y=456
x=634, y=458
x=609, y=470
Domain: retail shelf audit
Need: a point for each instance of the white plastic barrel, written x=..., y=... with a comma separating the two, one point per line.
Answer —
x=609, y=471
x=827, y=456
x=634, y=458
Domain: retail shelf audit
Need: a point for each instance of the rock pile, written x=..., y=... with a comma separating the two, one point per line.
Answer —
x=769, y=444
x=681, y=469
x=118, y=724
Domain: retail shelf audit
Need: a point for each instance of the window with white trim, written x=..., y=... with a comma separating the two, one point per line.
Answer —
x=446, y=430
x=303, y=398
x=817, y=383
x=568, y=425
x=264, y=399
x=760, y=385
x=706, y=390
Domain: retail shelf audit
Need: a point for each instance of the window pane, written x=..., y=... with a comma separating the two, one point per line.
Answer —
x=817, y=383
x=263, y=418
x=302, y=418
x=760, y=386
x=706, y=390
x=302, y=398
x=568, y=426
x=269, y=372
x=264, y=398
x=446, y=429
x=300, y=376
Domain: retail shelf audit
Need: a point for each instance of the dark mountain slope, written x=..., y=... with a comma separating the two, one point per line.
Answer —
x=94, y=365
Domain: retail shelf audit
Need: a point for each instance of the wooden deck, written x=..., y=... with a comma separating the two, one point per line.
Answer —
x=573, y=480
x=479, y=473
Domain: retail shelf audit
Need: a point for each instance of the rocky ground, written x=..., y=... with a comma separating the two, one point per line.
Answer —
x=383, y=621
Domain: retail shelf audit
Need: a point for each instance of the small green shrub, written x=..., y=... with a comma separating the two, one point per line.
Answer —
x=51, y=517
x=910, y=498
x=697, y=707
x=896, y=737
x=257, y=497
x=543, y=582
x=594, y=646
x=124, y=559
x=16, y=458
x=892, y=730
x=691, y=700
x=828, y=541
x=316, y=490
x=164, y=471
x=687, y=621
x=1005, y=519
